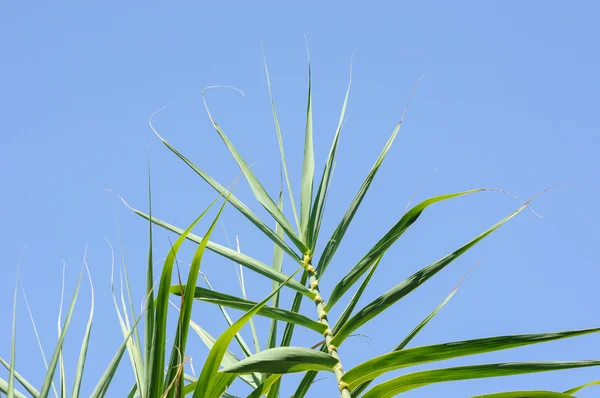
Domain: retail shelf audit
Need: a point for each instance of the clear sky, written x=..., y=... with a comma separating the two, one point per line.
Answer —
x=508, y=102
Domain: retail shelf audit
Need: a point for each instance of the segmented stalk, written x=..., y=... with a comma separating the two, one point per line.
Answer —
x=327, y=334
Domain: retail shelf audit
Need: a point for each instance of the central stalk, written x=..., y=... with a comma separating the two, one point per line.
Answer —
x=332, y=350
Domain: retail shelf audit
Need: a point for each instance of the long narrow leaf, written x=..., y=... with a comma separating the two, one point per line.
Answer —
x=239, y=258
x=149, y=321
x=281, y=150
x=10, y=393
x=4, y=389
x=318, y=208
x=385, y=243
x=308, y=165
x=180, y=342
x=526, y=394
x=233, y=200
x=420, y=379
x=393, y=295
x=57, y=351
x=215, y=356
x=26, y=385
x=259, y=191
x=162, y=302
x=277, y=266
x=85, y=342
x=581, y=387
x=226, y=300
x=376, y=367
x=104, y=383
x=229, y=358
x=354, y=300
x=265, y=386
x=282, y=360
x=340, y=231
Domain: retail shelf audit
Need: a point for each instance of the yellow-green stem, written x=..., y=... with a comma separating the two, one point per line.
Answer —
x=322, y=314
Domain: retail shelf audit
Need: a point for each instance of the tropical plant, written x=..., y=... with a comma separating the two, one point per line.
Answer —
x=262, y=371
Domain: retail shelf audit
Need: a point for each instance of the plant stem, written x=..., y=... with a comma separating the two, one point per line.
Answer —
x=327, y=334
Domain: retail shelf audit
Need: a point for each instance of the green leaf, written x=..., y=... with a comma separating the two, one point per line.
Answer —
x=235, y=202
x=420, y=379
x=259, y=191
x=26, y=385
x=281, y=150
x=10, y=393
x=282, y=360
x=359, y=389
x=162, y=302
x=278, y=266
x=265, y=386
x=393, y=295
x=57, y=351
x=246, y=261
x=102, y=387
x=84, y=344
x=149, y=325
x=185, y=314
x=288, y=332
x=226, y=300
x=316, y=216
x=4, y=389
x=352, y=304
x=376, y=367
x=385, y=243
x=308, y=166
x=581, y=387
x=238, y=337
x=526, y=394
x=215, y=356
x=228, y=359
x=340, y=231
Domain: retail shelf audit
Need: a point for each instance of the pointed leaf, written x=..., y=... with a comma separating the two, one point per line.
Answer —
x=281, y=151
x=242, y=259
x=84, y=344
x=265, y=386
x=215, y=356
x=282, y=360
x=393, y=295
x=259, y=191
x=420, y=379
x=376, y=367
x=226, y=300
x=308, y=165
x=235, y=202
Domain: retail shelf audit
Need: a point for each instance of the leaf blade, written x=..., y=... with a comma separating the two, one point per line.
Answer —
x=283, y=360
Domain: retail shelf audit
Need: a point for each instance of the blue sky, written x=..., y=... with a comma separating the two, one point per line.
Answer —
x=508, y=102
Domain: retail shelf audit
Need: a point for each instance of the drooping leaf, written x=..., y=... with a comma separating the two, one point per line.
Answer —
x=281, y=360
